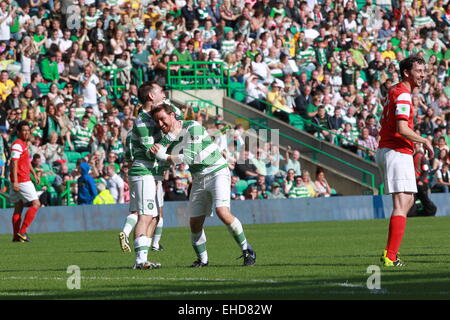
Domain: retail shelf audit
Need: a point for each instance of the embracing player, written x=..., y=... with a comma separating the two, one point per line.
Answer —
x=190, y=143
x=145, y=176
x=395, y=153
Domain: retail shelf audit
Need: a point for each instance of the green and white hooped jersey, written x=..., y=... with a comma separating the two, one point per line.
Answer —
x=140, y=139
x=82, y=136
x=196, y=148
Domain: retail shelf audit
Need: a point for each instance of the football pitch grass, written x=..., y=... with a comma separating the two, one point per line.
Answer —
x=312, y=260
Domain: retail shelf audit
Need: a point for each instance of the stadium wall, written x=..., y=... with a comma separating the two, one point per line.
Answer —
x=111, y=217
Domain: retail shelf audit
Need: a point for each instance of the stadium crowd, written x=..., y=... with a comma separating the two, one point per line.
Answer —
x=328, y=62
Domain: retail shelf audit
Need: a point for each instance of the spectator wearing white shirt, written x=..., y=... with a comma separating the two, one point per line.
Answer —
x=115, y=184
x=89, y=82
x=254, y=90
x=310, y=32
x=54, y=39
x=24, y=19
x=65, y=43
x=7, y=16
x=350, y=23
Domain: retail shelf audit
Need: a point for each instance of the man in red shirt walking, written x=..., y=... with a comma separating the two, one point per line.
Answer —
x=23, y=190
x=394, y=155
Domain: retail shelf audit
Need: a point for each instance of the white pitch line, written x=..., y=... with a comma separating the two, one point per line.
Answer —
x=304, y=283
x=144, y=279
x=307, y=283
x=30, y=294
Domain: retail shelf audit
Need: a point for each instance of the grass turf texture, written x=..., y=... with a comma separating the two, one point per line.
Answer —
x=314, y=260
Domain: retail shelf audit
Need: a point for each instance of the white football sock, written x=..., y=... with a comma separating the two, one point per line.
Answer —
x=237, y=231
x=130, y=223
x=199, y=245
x=158, y=233
x=141, y=247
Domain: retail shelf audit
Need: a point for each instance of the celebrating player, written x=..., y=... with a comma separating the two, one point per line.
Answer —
x=146, y=169
x=394, y=156
x=23, y=190
x=142, y=176
x=190, y=143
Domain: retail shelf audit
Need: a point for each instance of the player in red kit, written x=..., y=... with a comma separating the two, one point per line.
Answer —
x=23, y=190
x=395, y=153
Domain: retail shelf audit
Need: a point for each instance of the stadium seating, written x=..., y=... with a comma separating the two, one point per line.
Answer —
x=241, y=186
x=46, y=167
x=297, y=121
x=237, y=91
x=73, y=156
x=71, y=166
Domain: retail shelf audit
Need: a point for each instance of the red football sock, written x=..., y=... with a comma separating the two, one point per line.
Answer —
x=16, y=221
x=29, y=217
x=397, y=227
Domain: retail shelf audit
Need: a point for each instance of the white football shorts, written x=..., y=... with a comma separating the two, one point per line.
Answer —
x=143, y=197
x=210, y=192
x=27, y=193
x=397, y=170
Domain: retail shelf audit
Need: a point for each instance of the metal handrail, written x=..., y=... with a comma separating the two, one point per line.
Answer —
x=115, y=86
x=66, y=193
x=199, y=75
x=3, y=197
x=307, y=121
x=372, y=176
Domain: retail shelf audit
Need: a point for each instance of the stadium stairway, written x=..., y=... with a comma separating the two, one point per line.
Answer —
x=348, y=173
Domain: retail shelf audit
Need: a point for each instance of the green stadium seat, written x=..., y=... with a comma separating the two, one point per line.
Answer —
x=71, y=166
x=50, y=178
x=360, y=4
x=44, y=87
x=85, y=154
x=73, y=156
x=297, y=121
x=46, y=167
x=241, y=186
x=237, y=91
x=61, y=85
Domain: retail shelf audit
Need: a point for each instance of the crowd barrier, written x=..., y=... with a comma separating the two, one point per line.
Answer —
x=112, y=217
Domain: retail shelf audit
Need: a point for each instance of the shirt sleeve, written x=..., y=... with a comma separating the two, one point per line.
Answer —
x=403, y=106
x=16, y=151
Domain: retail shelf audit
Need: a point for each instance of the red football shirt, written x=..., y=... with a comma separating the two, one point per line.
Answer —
x=398, y=106
x=19, y=151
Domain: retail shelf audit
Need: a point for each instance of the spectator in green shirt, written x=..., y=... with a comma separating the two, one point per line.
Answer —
x=49, y=68
x=299, y=189
x=278, y=9
x=182, y=53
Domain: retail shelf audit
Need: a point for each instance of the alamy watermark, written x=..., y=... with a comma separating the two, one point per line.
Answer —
x=73, y=17
x=74, y=280
x=374, y=280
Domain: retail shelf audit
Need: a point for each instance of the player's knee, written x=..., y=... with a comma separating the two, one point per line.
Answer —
x=196, y=225
x=225, y=215
x=36, y=204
